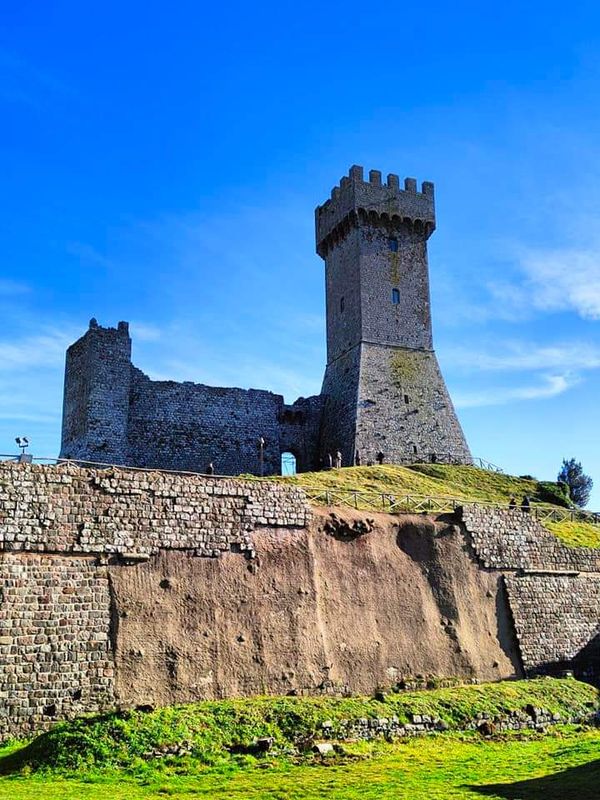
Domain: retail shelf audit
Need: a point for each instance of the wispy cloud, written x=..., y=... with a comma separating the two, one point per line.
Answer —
x=520, y=355
x=548, y=386
x=87, y=255
x=561, y=279
x=46, y=349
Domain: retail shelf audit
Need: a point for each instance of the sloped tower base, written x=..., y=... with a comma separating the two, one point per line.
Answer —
x=392, y=401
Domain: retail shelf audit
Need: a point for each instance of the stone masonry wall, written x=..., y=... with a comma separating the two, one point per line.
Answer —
x=512, y=540
x=553, y=590
x=65, y=533
x=66, y=509
x=55, y=656
x=556, y=617
x=184, y=426
x=404, y=409
x=59, y=526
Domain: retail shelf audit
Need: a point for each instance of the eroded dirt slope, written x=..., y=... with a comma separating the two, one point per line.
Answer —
x=332, y=605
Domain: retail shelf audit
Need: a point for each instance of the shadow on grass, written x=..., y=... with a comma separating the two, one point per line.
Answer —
x=575, y=783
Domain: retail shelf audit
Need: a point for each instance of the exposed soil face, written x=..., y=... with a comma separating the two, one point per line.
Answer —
x=359, y=600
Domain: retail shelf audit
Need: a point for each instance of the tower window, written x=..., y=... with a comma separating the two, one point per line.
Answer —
x=395, y=296
x=406, y=399
x=415, y=449
x=342, y=305
x=393, y=243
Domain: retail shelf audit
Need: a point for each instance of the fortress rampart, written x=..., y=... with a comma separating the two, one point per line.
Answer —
x=122, y=587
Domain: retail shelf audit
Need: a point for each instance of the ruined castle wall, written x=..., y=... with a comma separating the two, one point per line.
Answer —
x=121, y=587
x=96, y=397
x=509, y=539
x=184, y=426
x=56, y=660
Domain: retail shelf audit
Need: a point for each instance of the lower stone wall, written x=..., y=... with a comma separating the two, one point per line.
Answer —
x=556, y=617
x=56, y=659
x=107, y=595
x=67, y=509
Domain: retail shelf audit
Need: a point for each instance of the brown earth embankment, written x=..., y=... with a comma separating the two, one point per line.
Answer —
x=328, y=607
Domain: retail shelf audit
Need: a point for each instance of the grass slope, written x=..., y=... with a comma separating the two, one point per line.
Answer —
x=461, y=482
x=563, y=765
x=214, y=730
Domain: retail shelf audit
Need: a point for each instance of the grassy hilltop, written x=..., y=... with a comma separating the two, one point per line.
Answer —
x=460, y=482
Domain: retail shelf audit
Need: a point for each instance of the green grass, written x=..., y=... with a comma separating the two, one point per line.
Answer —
x=214, y=730
x=576, y=534
x=559, y=766
x=441, y=480
x=113, y=756
x=461, y=482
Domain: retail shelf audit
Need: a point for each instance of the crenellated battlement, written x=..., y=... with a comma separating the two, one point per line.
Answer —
x=386, y=203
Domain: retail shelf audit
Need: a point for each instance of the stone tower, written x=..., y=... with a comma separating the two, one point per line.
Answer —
x=97, y=395
x=383, y=386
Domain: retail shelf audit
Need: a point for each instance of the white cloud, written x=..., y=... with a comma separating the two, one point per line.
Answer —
x=559, y=279
x=517, y=356
x=144, y=332
x=549, y=386
x=564, y=280
x=42, y=350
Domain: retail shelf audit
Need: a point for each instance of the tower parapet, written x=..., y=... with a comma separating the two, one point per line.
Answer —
x=376, y=201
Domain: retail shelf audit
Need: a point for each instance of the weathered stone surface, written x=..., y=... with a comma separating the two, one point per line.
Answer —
x=382, y=392
x=119, y=586
x=511, y=539
x=67, y=509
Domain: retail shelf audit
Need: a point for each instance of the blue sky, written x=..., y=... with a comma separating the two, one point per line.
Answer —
x=161, y=163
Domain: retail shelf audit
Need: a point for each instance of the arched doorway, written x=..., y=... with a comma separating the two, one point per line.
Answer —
x=288, y=463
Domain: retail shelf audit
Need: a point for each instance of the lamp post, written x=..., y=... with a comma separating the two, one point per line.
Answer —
x=23, y=443
x=261, y=455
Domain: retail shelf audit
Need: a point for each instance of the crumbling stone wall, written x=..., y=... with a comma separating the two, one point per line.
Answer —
x=55, y=656
x=66, y=509
x=510, y=539
x=74, y=595
x=553, y=590
x=115, y=414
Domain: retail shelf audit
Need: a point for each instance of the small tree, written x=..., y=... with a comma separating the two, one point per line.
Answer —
x=580, y=484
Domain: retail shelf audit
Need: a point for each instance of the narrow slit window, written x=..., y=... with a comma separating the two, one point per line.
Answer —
x=393, y=243
x=406, y=400
x=342, y=305
x=415, y=449
x=395, y=296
